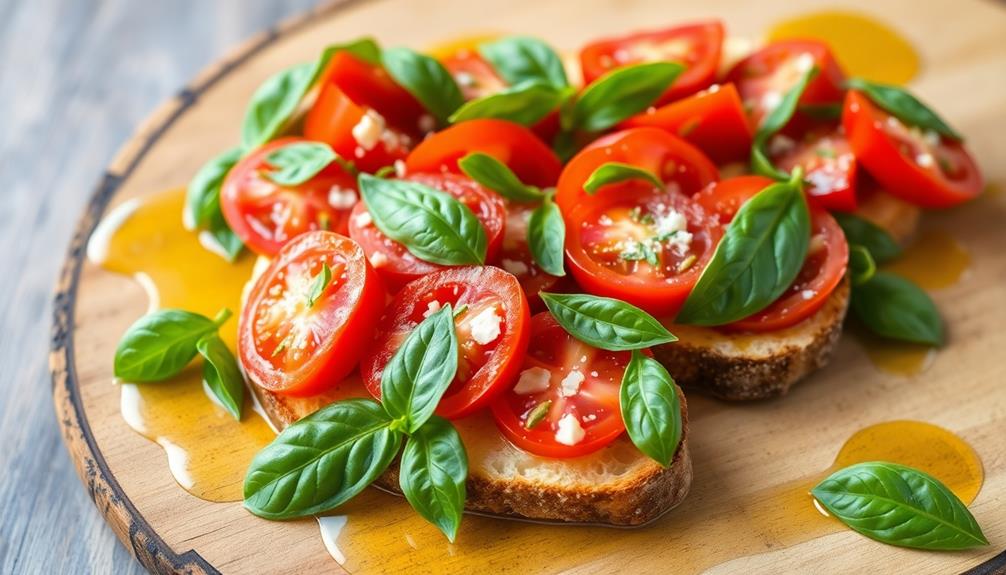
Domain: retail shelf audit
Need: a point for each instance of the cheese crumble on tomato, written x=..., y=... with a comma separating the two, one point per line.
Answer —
x=569, y=431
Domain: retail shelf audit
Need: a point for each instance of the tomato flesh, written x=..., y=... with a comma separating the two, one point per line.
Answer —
x=828, y=163
x=370, y=86
x=918, y=166
x=514, y=145
x=488, y=360
x=473, y=74
x=266, y=215
x=696, y=46
x=516, y=258
x=581, y=382
x=393, y=260
x=290, y=347
x=713, y=120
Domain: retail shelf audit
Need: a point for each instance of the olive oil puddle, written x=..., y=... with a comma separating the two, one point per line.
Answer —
x=378, y=532
x=207, y=449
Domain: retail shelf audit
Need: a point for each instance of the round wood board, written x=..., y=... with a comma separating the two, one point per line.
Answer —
x=735, y=447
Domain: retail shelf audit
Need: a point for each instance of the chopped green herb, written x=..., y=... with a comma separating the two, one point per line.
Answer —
x=321, y=282
x=537, y=414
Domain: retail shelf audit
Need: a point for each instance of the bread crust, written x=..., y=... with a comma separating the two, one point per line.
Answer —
x=644, y=495
x=742, y=367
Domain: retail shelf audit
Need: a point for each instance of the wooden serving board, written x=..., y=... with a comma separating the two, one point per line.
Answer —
x=737, y=448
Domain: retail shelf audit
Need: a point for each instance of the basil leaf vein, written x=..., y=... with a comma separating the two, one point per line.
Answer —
x=298, y=162
x=520, y=58
x=421, y=370
x=546, y=236
x=321, y=461
x=894, y=307
x=160, y=344
x=614, y=172
x=433, y=473
x=222, y=374
x=496, y=176
x=431, y=224
x=605, y=322
x=651, y=408
x=757, y=260
x=525, y=103
x=904, y=106
x=863, y=232
x=621, y=93
x=426, y=79
x=900, y=506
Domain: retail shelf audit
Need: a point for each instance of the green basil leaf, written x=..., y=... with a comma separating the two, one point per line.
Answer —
x=298, y=162
x=904, y=106
x=520, y=58
x=861, y=265
x=622, y=93
x=431, y=224
x=899, y=506
x=433, y=473
x=225, y=237
x=613, y=172
x=651, y=408
x=774, y=121
x=546, y=236
x=319, y=284
x=426, y=79
x=275, y=102
x=202, y=197
x=832, y=111
x=321, y=461
x=896, y=308
x=160, y=344
x=222, y=374
x=863, y=232
x=606, y=323
x=421, y=370
x=496, y=176
x=757, y=260
x=524, y=104
x=762, y=165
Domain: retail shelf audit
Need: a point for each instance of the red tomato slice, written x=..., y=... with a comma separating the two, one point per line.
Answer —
x=355, y=132
x=513, y=144
x=473, y=74
x=488, y=358
x=286, y=346
x=266, y=215
x=394, y=261
x=516, y=258
x=822, y=271
x=828, y=163
x=370, y=86
x=642, y=247
x=581, y=382
x=697, y=46
x=763, y=78
x=713, y=120
x=918, y=166
x=682, y=166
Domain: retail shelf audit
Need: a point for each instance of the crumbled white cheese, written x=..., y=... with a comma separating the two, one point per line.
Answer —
x=807, y=294
x=771, y=100
x=378, y=259
x=589, y=417
x=427, y=123
x=605, y=220
x=680, y=242
x=516, y=267
x=367, y=132
x=669, y=223
x=925, y=160
x=341, y=198
x=362, y=219
x=485, y=327
x=804, y=62
x=570, y=431
x=464, y=79
x=400, y=168
x=532, y=380
x=432, y=308
x=570, y=385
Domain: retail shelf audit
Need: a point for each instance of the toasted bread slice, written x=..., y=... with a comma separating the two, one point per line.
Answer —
x=898, y=217
x=617, y=485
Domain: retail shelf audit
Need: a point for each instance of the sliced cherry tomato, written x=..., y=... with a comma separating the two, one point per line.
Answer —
x=828, y=164
x=491, y=322
x=697, y=46
x=473, y=74
x=394, y=261
x=513, y=144
x=266, y=215
x=763, y=78
x=822, y=271
x=355, y=132
x=516, y=258
x=370, y=86
x=713, y=120
x=918, y=166
x=577, y=384
x=681, y=166
x=289, y=346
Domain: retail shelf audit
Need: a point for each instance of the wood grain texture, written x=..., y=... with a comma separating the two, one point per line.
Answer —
x=828, y=408
x=76, y=78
